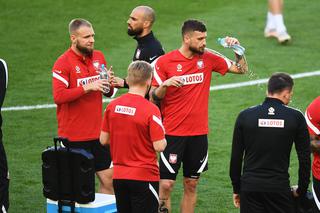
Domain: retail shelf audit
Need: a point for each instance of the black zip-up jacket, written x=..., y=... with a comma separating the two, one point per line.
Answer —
x=262, y=139
x=148, y=49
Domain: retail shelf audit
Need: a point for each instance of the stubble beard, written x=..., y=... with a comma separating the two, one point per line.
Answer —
x=199, y=51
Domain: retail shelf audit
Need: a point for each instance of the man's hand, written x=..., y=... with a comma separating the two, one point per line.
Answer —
x=236, y=200
x=240, y=66
x=98, y=85
x=231, y=41
x=110, y=74
x=315, y=143
x=294, y=191
x=117, y=82
x=175, y=81
x=158, y=93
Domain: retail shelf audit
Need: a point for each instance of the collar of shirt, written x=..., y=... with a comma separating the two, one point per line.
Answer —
x=272, y=100
x=145, y=38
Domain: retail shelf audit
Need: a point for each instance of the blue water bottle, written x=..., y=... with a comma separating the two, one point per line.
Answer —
x=238, y=49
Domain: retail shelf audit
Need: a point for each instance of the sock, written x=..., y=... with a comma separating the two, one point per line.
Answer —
x=280, y=27
x=270, y=21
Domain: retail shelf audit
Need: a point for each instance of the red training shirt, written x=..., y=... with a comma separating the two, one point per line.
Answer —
x=312, y=116
x=133, y=124
x=185, y=109
x=79, y=115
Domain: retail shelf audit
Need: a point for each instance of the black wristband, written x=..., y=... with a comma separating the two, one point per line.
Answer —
x=155, y=97
x=125, y=84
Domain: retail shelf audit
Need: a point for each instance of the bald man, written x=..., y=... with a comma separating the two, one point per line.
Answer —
x=140, y=26
x=149, y=48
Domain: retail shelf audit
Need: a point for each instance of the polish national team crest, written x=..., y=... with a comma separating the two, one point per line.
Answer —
x=271, y=111
x=138, y=53
x=173, y=158
x=200, y=64
x=179, y=68
x=96, y=64
x=77, y=69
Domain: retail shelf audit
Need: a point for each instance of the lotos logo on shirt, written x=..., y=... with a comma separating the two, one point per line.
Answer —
x=192, y=79
x=88, y=80
x=125, y=110
x=276, y=123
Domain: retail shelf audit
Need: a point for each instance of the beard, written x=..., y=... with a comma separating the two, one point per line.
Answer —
x=136, y=32
x=199, y=51
x=84, y=50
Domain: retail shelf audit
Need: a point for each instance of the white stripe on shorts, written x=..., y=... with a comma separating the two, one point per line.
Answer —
x=315, y=198
x=4, y=210
x=203, y=164
x=166, y=163
x=154, y=192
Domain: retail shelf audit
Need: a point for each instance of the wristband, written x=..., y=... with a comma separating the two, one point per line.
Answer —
x=125, y=84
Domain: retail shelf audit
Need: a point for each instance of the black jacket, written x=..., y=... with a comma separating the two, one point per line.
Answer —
x=148, y=49
x=263, y=137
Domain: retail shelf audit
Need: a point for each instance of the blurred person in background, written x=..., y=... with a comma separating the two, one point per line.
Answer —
x=275, y=26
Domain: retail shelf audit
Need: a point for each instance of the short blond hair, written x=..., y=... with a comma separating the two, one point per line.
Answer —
x=139, y=72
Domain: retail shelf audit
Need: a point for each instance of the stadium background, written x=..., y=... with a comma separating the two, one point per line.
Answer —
x=34, y=33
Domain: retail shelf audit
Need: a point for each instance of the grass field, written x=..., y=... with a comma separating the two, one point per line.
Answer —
x=34, y=33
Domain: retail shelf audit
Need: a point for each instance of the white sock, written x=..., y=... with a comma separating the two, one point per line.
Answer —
x=271, y=24
x=278, y=18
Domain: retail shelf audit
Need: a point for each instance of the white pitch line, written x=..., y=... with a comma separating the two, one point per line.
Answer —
x=41, y=106
x=219, y=87
x=261, y=81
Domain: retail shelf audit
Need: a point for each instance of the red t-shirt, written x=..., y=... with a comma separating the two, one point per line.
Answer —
x=312, y=116
x=79, y=115
x=133, y=124
x=185, y=109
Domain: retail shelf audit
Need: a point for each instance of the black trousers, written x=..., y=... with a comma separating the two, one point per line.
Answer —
x=136, y=196
x=4, y=178
x=266, y=202
x=316, y=194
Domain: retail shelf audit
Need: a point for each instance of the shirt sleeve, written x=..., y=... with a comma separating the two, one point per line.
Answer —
x=156, y=129
x=105, y=124
x=159, y=74
x=62, y=93
x=302, y=145
x=219, y=64
x=236, y=156
x=313, y=119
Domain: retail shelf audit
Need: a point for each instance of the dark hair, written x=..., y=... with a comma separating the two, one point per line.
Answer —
x=75, y=24
x=193, y=25
x=279, y=82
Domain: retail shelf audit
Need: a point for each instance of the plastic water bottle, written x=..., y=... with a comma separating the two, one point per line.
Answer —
x=104, y=75
x=238, y=49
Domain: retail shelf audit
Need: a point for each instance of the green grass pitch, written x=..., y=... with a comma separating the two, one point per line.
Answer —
x=34, y=33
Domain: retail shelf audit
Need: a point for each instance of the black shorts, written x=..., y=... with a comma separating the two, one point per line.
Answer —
x=102, y=156
x=191, y=150
x=266, y=202
x=316, y=194
x=136, y=196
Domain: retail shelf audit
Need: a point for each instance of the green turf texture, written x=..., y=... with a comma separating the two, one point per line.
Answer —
x=35, y=33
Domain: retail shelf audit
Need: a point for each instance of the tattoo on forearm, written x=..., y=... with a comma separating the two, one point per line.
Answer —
x=162, y=207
